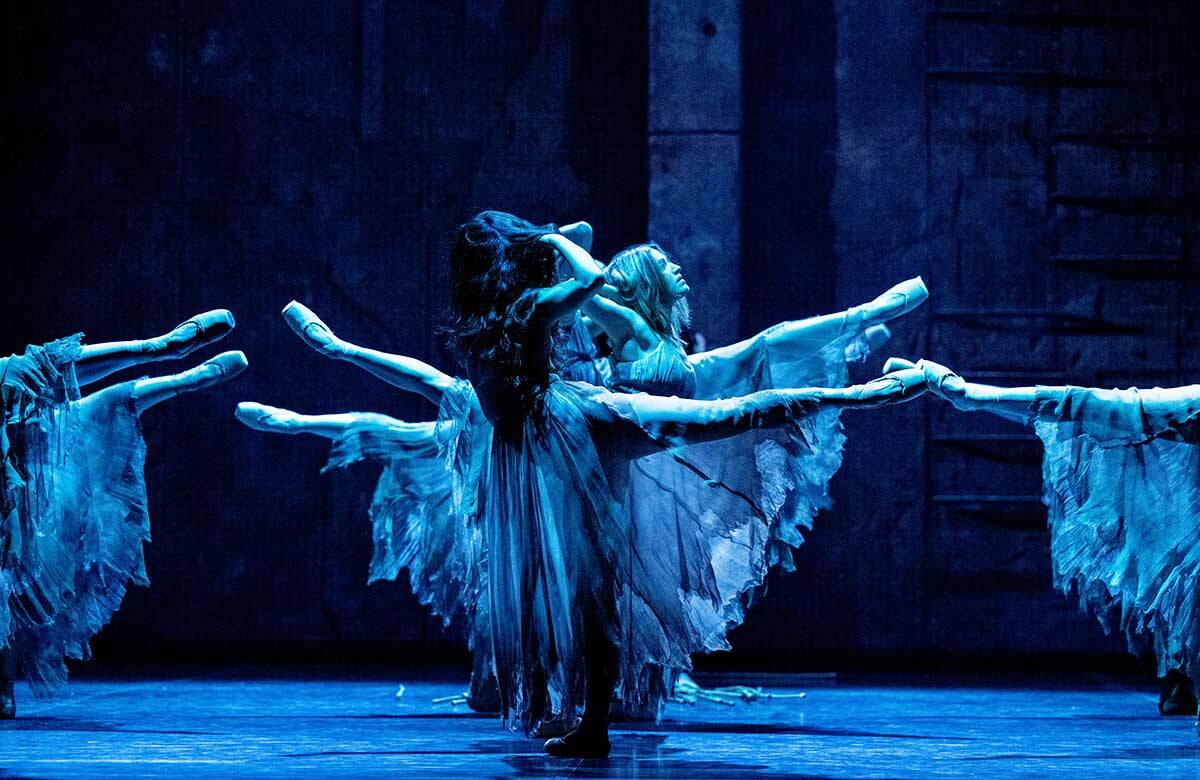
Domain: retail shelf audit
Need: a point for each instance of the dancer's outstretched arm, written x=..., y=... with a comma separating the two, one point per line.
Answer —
x=699, y=421
x=404, y=372
x=97, y=361
x=1011, y=403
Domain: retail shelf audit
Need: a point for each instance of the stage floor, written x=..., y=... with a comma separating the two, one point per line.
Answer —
x=219, y=726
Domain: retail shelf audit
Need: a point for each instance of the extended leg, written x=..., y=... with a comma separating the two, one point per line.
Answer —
x=99, y=360
x=403, y=372
x=272, y=419
x=699, y=421
x=791, y=341
x=815, y=332
x=148, y=392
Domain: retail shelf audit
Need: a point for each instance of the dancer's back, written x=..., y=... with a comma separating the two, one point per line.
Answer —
x=512, y=368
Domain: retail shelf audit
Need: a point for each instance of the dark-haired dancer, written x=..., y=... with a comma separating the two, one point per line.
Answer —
x=785, y=478
x=72, y=496
x=1121, y=480
x=565, y=591
x=552, y=459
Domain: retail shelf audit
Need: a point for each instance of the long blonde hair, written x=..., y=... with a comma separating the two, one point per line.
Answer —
x=642, y=284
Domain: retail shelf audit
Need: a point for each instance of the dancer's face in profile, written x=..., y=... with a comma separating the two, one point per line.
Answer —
x=676, y=284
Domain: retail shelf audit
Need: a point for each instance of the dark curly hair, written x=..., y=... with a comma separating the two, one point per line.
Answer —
x=496, y=258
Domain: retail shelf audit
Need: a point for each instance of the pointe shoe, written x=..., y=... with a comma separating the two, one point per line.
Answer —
x=221, y=368
x=311, y=330
x=8, y=701
x=946, y=384
x=876, y=336
x=261, y=417
x=894, y=364
x=940, y=380
x=192, y=334
x=577, y=744
x=899, y=300
x=893, y=387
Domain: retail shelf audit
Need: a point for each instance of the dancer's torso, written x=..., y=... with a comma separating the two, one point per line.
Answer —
x=663, y=370
x=511, y=379
x=576, y=354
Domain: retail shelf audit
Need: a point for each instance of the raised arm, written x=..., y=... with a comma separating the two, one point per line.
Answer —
x=564, y=298
x=620, y=323
x=580, y=233
x=403, y=372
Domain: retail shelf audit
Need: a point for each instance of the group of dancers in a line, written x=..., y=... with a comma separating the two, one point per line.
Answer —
x=595, y=515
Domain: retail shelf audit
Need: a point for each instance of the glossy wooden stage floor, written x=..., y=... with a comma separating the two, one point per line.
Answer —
x=218, y=726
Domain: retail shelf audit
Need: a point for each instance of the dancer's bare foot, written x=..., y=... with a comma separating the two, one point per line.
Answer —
x=189, y=336
x=580, y=743
x=312, y=331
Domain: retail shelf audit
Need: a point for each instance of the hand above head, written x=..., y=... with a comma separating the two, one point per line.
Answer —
x=32, y=372
x=579, y=232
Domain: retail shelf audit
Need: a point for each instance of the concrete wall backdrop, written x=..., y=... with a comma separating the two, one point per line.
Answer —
x=1036, y=161
x=168, y=158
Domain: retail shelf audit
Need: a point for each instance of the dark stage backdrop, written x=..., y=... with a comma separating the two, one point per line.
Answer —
x=167, y=158
x=1035, y=161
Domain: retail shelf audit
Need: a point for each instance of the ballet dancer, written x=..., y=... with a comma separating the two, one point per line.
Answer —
x=552, y=569
x=1121, y=480
x=642, y=310
x=72, y=491
x=412, y=521
x=564, y=591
